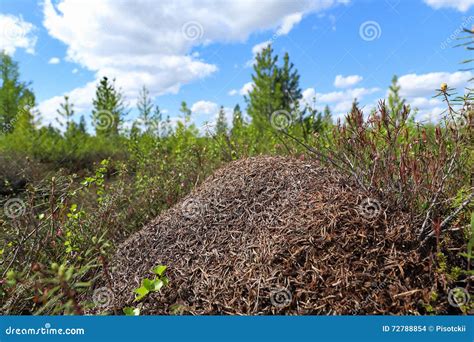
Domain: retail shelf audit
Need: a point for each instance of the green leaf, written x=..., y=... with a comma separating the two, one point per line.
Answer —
x=129, y=311
x=140, y=293
x=160, y=270
x=156, y=285
x=147, y=284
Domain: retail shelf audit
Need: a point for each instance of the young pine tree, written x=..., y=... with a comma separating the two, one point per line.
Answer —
x=157, y=118
x=237, y=120
x=266, y=97
x=109, y=109
x=186, y=112
x=14, y=94
x=395, y=102
x=145, y=108
x=66, y=112
x=221, y=123
x=276, y=89
x=290, y=79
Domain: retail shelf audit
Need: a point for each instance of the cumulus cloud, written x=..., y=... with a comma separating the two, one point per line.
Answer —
x=204, y=107
x=419, y=90
x=54, y=60
x=347, y=81
x=246, y=88
x=414, y=85
x=15, y=33
x=288, y=22
x=256, y=49
x=150, y=43
x=161, y=34
x=80, y=97
x=346, y=95
x=428, y=109
x=460, y=5
x=339, y=101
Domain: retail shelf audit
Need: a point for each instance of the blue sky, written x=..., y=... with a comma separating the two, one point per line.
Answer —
x=202, y=51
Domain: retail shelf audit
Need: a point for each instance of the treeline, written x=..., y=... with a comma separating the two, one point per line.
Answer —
x=71, y=144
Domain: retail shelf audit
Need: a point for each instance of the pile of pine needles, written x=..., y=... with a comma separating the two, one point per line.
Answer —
x=275, y=235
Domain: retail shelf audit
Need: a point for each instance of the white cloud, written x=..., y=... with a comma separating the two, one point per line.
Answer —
x=75, y=70
x=342, y=108
x=80, y=97
x=348, y=81
x=346, y=95
x=99, y=36
x=288, y=22
x=413, y=85
x=460, y=5
x=162, y=34
x=246, y=88
x=417, y=89
x=340, y=102
x=428, y=109
x=204, y=107
x=16, y=33
x=256, y=49
x=54, y=60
